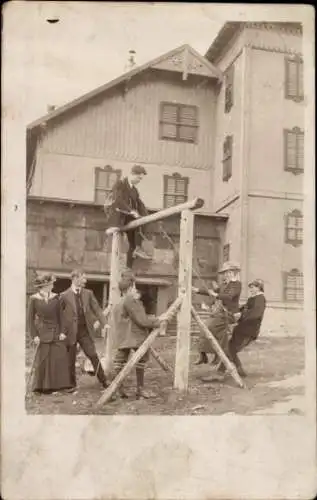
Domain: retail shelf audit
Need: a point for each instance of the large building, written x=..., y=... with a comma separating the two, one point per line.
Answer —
x=227, y=127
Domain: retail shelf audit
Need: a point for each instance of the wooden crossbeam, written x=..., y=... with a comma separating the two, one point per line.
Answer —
x=107, y=394
x=163, y=214
x=210, y=337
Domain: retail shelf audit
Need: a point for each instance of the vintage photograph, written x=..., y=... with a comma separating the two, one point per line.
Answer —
x=165, y=231
x=158, y=260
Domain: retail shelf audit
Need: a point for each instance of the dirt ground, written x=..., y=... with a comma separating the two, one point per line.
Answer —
x=269, y=362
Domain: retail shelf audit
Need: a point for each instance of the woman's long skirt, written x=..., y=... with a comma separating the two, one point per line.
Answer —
x=219, y=327
x=51, y=371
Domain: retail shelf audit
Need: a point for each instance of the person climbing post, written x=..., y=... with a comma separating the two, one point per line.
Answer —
x=125, y=206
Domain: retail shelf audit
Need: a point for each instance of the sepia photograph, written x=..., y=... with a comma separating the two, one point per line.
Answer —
x=160, y=218
x=152, y=261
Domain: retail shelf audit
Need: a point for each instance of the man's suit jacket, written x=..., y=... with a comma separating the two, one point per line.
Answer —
x=124, y=197
x=69, y=317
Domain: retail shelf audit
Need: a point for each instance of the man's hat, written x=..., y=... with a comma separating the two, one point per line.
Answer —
x=230, y=266
x=44, y=280
x=138, y=169
x=258, y=283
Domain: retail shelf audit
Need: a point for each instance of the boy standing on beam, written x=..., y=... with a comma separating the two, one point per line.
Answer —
x=131, y=326
x=126, y=206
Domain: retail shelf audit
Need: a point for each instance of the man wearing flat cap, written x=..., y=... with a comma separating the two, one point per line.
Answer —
x=126, y=206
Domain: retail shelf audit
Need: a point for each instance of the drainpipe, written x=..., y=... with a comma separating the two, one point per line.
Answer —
x=245, y=167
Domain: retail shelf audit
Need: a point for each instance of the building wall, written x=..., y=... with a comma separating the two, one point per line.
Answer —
x=269, y=256
x=271, y=113
x=228, y=124
x=124, y=125
x=62, y=236
x=77, y=175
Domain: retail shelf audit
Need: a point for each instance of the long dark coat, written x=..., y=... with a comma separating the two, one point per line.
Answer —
x=249, y=324
x=51, y=367
x=69, y=318
x=124, y=197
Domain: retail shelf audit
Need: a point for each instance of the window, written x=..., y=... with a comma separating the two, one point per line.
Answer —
x=105, y=178
x=175, y=190
x=229, y=75
x=294, y=228
x=227, y=158
x=294, y=86
x=178, y=122
x=226, y=252
x=293, y=286
x=294, y=150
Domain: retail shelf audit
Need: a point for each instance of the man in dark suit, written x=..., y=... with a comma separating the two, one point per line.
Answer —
x=79, y=310
x=126, y=206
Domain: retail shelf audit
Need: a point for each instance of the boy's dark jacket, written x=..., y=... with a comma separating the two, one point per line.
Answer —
x=126, y=198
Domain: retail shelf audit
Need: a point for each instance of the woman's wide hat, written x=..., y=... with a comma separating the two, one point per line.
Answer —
x=44, y=280
x=230, y=266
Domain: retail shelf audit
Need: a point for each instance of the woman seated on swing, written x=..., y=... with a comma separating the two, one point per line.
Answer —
x=225, y=310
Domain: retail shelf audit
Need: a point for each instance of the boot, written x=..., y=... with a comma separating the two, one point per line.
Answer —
x=203, y=359
x=140, y=392
x=138, y=252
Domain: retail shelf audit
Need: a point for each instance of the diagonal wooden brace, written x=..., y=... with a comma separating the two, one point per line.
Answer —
x=158, y=358
x=138, y=354
x=209, y=336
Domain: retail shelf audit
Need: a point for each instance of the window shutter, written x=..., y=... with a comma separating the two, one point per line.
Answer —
x=169, y=113
x=179, y=122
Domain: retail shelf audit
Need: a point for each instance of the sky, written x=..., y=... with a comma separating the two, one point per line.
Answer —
x=52, y=64
x=55, y=63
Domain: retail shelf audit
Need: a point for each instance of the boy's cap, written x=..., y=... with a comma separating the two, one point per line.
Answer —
x=258, y=283
x=138, y=169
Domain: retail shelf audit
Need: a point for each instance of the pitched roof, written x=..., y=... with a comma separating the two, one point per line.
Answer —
x=230, y=29
x=201, y=66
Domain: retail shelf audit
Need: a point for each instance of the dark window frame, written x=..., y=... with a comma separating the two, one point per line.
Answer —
x=229, y=89
x=108, y=169
x=178, y=123
x=298, y=291
x=298, y=133
x=175, y=177
x=227, y=158
x=226, y=252
x=299, y=84
x=297, y=228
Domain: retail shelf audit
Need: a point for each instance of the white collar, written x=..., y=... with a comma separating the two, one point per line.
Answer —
x=75, y=289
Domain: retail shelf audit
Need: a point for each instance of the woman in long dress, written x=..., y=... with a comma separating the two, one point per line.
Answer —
x=51, y=366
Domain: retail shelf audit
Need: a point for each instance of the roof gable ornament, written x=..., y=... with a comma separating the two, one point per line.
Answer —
x=186, y=61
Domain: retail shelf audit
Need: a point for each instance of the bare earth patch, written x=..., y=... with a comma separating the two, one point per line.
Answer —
x=269, y=362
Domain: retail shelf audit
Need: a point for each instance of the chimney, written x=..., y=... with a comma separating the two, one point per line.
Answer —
x=50, y=108
x=131, y=60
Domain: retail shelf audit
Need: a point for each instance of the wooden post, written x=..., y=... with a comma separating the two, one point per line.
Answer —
x=114, y=296
x=184, y=315
x=138, y=354
x=209, y=336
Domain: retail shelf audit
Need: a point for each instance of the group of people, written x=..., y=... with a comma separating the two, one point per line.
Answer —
x=58, y=324
x=233, y=326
